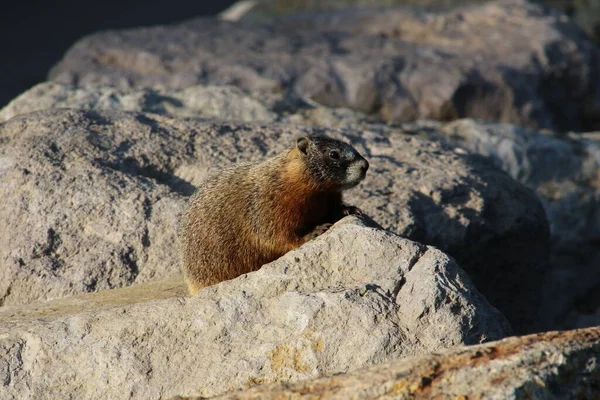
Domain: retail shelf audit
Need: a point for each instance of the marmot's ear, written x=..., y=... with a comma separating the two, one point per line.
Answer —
x=302, y=144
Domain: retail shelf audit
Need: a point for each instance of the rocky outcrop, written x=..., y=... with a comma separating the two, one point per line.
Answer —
x=353, y=297
x=93, y=201
x=586, y=13
x=224, y=102
x=554, y=365
x=525, y=64
x=562, y=169
x=81, y=213
x=95, y=168
x=564, y=172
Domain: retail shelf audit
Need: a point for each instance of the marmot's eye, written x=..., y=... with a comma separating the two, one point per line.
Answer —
x=334, y=155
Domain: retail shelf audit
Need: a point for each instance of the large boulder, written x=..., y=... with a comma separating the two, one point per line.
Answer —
x=564, y=172
x=586, y=13
x=353, y=297
x=552, y=366
x=92, y=201
x=525, y=64
x=224, y=102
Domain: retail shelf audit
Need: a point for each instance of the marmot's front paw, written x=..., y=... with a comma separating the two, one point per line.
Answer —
x=318, y=231
x=352, y=210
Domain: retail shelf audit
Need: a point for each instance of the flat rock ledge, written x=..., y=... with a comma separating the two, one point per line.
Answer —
x=224, y=102
x=353, y=297
x=552, y=365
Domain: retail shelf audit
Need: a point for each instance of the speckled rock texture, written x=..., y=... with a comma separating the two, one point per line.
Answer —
x=470, y=226
x=94, y=198
x=564, y=170
x=552, y=366
x=510, y=61
x=224, y=102
x=352, y=297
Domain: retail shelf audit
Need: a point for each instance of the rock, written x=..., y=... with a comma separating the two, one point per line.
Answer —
x=432, y=200
x=225, y=102
x=81, y=215
x=564, y=172
x=553, y=365
x=353, y=297
x=586, y=13
x=526, y=64
x=112, y=218
x=237, y=10
x=266, y=10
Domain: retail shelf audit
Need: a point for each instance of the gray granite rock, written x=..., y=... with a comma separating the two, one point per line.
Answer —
x=586, y=13
x=94, y=199
x=80, y=213
x=509, y=61
x=225, y=102
x=564, y=170
x=353, y=297
x=553, y=366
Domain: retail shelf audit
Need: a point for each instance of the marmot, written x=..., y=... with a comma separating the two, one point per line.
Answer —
x=250, y=214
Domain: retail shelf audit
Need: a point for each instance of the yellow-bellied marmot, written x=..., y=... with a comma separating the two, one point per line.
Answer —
x=249, y=214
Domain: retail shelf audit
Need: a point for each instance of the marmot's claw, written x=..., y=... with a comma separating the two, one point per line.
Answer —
x=318, y=231
x=352, y=210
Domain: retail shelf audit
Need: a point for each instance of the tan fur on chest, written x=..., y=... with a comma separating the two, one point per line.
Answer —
x=301, y=204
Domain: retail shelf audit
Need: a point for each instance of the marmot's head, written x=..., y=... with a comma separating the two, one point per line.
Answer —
x=332, y=164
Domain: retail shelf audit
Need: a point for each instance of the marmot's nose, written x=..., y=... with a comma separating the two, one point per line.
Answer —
x=364, y=166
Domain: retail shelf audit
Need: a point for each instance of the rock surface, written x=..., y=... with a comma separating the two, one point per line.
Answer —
x=350, y=298
x=93, y=201
x=224, y=102
x=92, y=196
x=553, y=366
x=586, y=13
x=564, y=170
x=525, y=64
x=81, y=213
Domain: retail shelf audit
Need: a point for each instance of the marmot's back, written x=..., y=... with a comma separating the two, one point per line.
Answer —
x=249, y=214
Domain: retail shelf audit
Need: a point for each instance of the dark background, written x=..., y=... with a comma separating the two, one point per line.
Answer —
x=37, y=34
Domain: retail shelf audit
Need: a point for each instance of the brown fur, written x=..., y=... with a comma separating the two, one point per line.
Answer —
x=250, y=214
